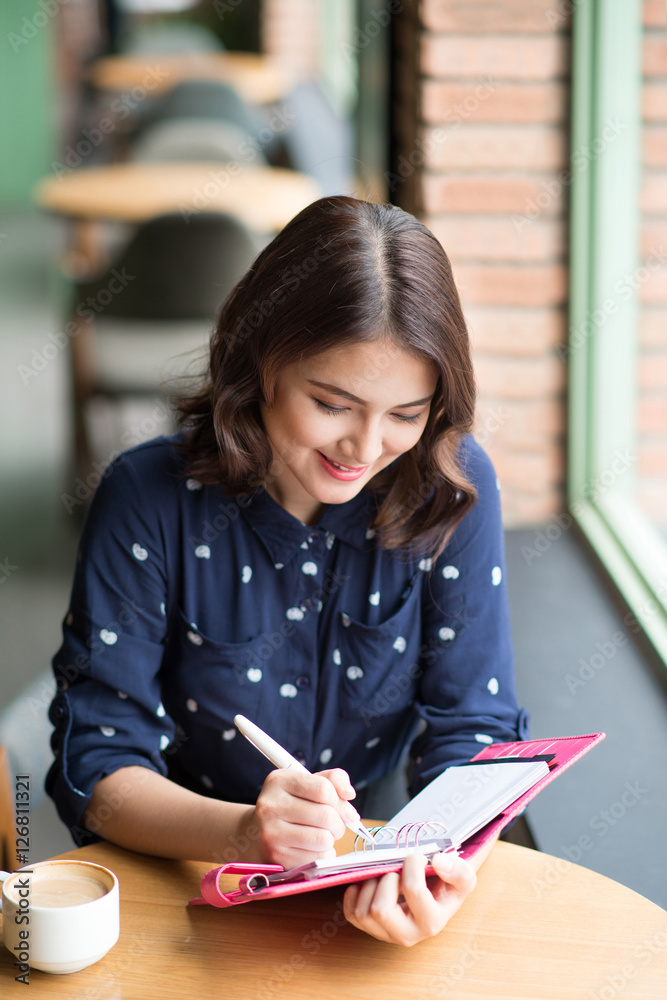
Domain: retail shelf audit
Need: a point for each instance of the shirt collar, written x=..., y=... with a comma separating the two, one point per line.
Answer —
x=283, y=534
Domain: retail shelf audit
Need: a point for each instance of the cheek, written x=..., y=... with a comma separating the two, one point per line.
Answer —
x=299, y=426
x=404, y=438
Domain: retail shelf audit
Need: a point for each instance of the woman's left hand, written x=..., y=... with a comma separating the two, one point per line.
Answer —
x=402, y=908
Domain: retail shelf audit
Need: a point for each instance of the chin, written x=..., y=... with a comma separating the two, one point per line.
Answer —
x=338, y=494
x=335, y=492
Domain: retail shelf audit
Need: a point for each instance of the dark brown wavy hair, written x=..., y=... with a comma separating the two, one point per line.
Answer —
x=342, y=271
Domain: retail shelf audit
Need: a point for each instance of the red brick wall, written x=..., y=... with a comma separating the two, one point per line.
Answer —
x=482, y=121
x=652, y=373
x=290, y=32
x=494, y=106
x=483, y=87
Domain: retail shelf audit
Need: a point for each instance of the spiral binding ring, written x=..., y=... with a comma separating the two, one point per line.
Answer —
x=380, y=835
x=411, y=832
x=407, y=836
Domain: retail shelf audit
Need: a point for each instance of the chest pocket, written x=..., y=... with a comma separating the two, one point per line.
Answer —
x=379, y=664
x=212, y=680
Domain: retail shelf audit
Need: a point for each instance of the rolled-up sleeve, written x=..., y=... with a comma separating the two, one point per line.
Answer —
x=107, y=711
x=467, y=696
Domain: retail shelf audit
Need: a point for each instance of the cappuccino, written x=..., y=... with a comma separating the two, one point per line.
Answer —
x=49, y=888
x=59, y=916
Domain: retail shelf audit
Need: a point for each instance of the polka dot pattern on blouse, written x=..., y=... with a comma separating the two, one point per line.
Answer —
x=204, y=608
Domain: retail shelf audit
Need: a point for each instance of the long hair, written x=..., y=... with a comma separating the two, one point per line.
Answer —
x=342, y=271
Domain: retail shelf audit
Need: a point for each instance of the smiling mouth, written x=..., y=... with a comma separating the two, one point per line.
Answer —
x=345, y=473
x=344, y=468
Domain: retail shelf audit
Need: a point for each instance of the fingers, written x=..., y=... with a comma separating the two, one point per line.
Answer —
x=340, y=779
x=299, y=818
x=321, y=788
x=303, y=799
x=358, y=900
x=377, y=909
x=403, y=908
x=432, y=906
x=457, y=876
x=344, y=789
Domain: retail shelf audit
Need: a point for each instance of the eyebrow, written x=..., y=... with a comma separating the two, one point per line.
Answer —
x=336, y=391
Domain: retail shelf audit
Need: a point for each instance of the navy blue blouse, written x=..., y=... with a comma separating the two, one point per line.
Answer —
x=189, y=606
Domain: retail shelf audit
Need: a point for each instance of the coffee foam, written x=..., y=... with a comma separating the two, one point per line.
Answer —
x=60, y=885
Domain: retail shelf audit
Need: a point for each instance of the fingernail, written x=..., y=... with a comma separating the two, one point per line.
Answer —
x=351, y=815
x=444, y=863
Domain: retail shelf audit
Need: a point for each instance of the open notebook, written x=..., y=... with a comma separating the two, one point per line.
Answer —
x=460, y=810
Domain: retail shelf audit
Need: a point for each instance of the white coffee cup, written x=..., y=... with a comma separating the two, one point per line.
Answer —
x=60, y=916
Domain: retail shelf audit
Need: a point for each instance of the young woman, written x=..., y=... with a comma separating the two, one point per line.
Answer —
x=321, y=550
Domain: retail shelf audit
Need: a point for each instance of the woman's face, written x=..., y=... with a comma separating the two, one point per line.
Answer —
x=340, y=418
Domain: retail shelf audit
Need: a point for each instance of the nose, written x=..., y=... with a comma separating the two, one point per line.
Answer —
x=364, y=445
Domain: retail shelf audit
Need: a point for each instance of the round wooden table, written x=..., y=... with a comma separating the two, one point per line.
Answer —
x=259, y=79
x=535, y=928
x=265, y=198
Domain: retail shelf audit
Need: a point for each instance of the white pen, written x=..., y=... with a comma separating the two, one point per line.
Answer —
x=281, y=758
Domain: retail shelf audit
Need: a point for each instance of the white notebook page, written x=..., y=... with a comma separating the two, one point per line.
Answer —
x=464, y=799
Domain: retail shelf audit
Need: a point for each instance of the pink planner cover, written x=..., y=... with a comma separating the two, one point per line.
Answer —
x=567, y=750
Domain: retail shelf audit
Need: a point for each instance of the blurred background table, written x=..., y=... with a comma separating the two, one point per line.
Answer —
x=264, y=198
x=259, y=79
x=177, y=278
x=535, y=927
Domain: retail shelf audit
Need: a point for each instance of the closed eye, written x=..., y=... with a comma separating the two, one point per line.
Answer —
x=408, y=420
x=332, y=410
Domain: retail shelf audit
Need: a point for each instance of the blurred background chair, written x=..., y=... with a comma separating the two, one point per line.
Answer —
x=139, y=322
x=319, y=141
x=199, y=99
x=25, y=750
x=191, y=139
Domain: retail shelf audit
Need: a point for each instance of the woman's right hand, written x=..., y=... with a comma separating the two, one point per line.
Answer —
x=299, y=816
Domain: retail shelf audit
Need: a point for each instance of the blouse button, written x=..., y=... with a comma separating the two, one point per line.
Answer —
x=303, y=682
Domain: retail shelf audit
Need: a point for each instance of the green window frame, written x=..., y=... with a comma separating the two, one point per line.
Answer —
x=604, y=250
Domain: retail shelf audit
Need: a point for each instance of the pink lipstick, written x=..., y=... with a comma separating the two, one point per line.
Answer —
x=339, y=471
